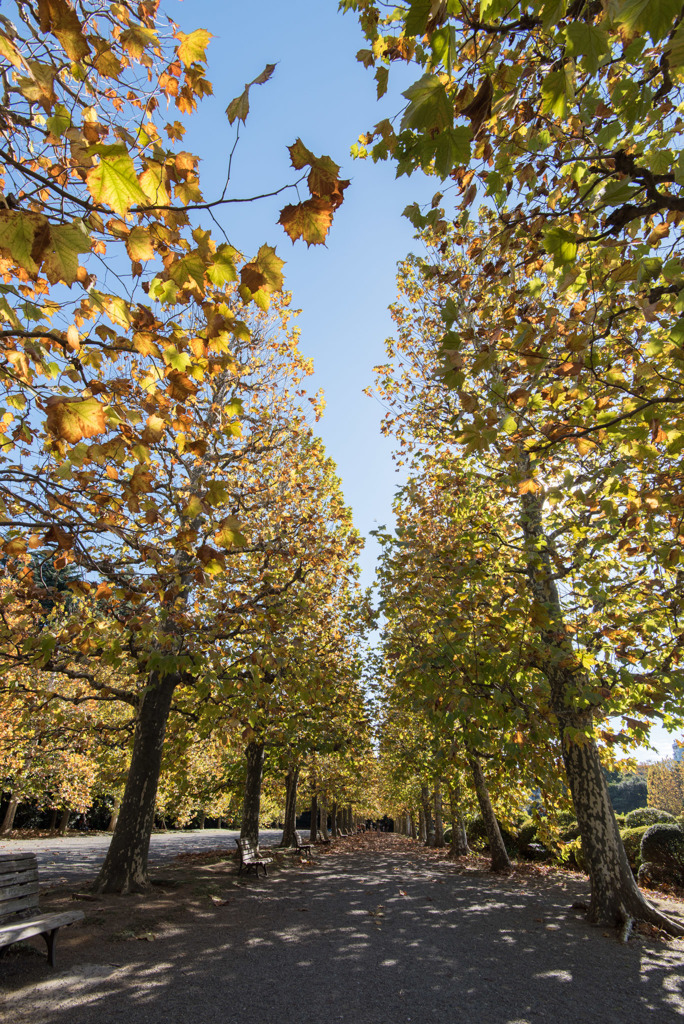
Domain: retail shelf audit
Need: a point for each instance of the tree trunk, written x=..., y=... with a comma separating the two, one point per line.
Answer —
x=115, y=814
x=428, y=829
x=313, y=835
x=291, y=782
x=439, y=819
x=422, y=832
x=64, y=821
x=202, y=819
x=333, y=820
x=615, y=897
x=8, y=820
x=459, y=839
x=324, y=818
x=497, y=850
x=53, y=819
x=255, y=754
x=125, y=866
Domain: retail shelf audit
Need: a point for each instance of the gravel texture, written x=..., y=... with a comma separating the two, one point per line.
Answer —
x=376, y=931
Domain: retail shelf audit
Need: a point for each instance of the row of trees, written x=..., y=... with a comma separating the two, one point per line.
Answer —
x=177, y=555
x=533, y=587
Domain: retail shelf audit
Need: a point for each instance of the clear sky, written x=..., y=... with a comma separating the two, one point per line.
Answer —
x=319, y=92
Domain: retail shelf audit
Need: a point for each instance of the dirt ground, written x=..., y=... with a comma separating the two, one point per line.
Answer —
x=376, y=930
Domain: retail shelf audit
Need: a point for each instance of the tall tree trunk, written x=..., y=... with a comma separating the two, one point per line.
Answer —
x=497, y=850
x=333, y=820
x=415, y=825
x=422, y=828
x=53, y=819
x=615, y=897
x=125, y=866
x=251, y=805
x=439, y=818
x=429, y=821
x=313, y=835
x=202, y=819
x=115, y=814
x=8, y=820
x=324, y=817
x=64, y=821
x=459, y=838
x=291, y=782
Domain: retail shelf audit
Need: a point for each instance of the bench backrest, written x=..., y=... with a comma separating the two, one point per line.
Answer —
x=247, y=848
x=18, y=885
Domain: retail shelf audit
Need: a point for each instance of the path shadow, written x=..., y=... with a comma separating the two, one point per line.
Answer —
x=370, y=937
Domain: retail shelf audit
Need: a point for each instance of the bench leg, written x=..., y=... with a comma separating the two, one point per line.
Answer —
x=50, y=938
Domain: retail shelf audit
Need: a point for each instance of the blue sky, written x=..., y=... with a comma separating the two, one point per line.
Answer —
x=319, y=92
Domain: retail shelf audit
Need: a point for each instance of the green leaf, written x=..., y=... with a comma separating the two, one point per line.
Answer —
x=561, y=244
x=17, y=231
x=114, y=183
x=417, y=17
x=656, y=18
x=451, y=148
x=67, y=241
x=554, y=92
x=429, y=106
x=587, y=43
x=222, y=270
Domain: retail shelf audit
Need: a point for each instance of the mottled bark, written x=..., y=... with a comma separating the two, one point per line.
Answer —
x=333, y=820
x=64, y=821
x=313, y=835
x=497, y=850
x=8, y=820
x=428, y=820
x=125, y=866
x=439, y=815
x=459, y=838
x=251, y=805
x=323, y=811
x=422, y=831
x=115, y=814
x=615, y=896
x=291, y=782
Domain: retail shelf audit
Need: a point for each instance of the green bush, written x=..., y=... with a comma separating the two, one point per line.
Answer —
x=662, y=854
x=631, y=837
x=526, y=834
x=647, y=816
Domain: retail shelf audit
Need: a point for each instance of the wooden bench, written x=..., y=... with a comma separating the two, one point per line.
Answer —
x=320, y=838
x=251, y=857
x=303, y=849
x=20, y=916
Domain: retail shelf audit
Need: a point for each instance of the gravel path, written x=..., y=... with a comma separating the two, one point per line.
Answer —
x=377, y=932
x=72, y=858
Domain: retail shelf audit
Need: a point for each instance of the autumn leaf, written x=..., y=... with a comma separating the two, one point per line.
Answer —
x=113, y=181
x=139, y=244
x=193, y=46
x=17, y=231
x=310, y=220
x=238, y=109
x=58, y=17
x=265, y=272
x=73, y=419
x=67, y=242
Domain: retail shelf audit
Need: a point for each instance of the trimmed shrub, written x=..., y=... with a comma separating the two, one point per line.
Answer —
x=647, y=816
x=631, y=837
x=662, y=854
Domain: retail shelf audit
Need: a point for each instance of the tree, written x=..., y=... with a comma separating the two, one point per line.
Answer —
x=603, y=649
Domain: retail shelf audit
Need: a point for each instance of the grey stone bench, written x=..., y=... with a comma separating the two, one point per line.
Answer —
x=20, y=916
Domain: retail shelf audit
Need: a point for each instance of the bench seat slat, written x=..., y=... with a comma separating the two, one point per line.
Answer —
x=37, y=926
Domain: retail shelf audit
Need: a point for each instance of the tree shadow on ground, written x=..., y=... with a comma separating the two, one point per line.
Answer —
x=373, y=933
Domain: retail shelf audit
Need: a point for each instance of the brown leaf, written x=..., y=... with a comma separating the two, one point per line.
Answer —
x=310, y=220
x=72, y=419
x=58, y=17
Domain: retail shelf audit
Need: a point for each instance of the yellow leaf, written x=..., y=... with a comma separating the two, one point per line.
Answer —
x=72, y=419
